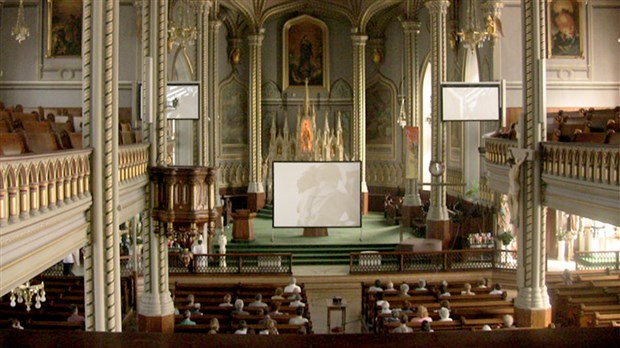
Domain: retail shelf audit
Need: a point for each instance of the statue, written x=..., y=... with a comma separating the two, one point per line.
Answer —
x=186, y=258
x=222, y=241
x=514, y=187
x=199, y=249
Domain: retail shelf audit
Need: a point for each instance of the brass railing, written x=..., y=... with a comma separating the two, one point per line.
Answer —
x=231, y=263
x=593, y=163
x=34, y=184
x=597, y=260
x=437, y=261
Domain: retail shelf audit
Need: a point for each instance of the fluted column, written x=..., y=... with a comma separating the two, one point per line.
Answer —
x=359, y=107
x=214, y=99
x=532, y=307
x=100, y=100
x=438, y=9
x=204, y=139
x=256, y=197
x=411, y=29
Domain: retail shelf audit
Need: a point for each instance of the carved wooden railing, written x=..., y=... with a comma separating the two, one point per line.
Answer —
x=597, y=260
x=385, y=173
x=593, y=163
x=444, y=261
x=231, y=263
x=34, y=184
x=133, y=161
x=496, y=149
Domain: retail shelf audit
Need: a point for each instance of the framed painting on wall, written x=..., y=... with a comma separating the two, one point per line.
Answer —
x=305, y=53
x=565, y=28
x=64, y=28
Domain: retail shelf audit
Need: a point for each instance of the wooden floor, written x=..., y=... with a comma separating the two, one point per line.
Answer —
x=547, y=338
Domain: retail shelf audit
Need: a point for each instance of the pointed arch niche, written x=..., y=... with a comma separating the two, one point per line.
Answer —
x=234, y=118
x=380, y=119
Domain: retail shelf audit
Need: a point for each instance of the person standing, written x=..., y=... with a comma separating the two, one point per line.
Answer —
x=67, y=265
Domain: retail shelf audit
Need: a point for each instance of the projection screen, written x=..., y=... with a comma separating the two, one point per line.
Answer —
x=471, y=101
x=316, y=194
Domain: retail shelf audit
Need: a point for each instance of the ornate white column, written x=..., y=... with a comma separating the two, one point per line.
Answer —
x=493, y=8
x=100, y=101
x=411, y=29
x=437, y=218
x=256, y=191
x=206, y=120
x=156, y=310
x=532, y=307
x=359, y=107
x=214, y=136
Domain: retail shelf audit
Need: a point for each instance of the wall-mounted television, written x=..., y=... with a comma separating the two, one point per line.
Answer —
x=317, y=194
x=465, y=101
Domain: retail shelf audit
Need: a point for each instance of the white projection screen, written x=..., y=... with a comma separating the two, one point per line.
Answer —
x=471, y=101
x=317, y=194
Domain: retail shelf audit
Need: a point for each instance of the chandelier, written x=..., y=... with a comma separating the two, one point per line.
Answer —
x=474, y=35
x=182, y=29
x=25, y=293
x=402, y=117
x=20, y=31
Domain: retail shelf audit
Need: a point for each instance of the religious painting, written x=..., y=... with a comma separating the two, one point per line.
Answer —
x=305, y=53
x=234, y=117
x=64, y=28
x=566, y=28
x=380, y=120
x=412, y=141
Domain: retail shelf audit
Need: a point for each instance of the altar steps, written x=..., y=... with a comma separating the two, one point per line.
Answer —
x=305, y=255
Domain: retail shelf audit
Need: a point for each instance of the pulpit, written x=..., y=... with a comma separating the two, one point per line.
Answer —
x=243, y=226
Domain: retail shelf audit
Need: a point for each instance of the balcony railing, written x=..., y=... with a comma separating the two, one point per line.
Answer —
x=597, y=260
x=592, y=163
x=133, y=161
x=231, y=264
x=496, y=149
x=438, y=261
x=34, y=184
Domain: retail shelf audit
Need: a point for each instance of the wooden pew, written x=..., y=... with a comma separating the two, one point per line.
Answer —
x=12, y=144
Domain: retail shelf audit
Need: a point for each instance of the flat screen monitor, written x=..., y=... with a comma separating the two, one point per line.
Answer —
x=471, y=101
x=317, y=194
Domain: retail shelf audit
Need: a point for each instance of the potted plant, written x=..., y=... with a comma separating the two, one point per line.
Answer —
x=506, y=238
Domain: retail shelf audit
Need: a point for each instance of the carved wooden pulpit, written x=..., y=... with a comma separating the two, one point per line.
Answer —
x=184, y=201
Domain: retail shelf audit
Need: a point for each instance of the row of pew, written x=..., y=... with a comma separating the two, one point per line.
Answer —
x=467, y=311
x=211, y=295
x=589, y=299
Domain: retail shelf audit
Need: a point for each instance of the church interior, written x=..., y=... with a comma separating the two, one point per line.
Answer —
x=148, y=151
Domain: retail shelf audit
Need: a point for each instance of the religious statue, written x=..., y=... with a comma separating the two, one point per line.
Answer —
x=222, y=241
x=186, y=258
x=199, y=248
x=514, y=187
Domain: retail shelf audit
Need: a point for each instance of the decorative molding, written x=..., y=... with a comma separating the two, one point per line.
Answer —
x=271, y=92
x=341, y=90
x=54, y=85
x=569, y=85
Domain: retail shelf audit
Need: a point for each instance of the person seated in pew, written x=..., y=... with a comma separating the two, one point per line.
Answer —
x=389, y=286
x=385, y=308
x=444, y=314
x=376, y=287
x=239, y=308
x=421, y=315
x=270, y=328
x=214, y=326
x=407, y=308
x=187, y=318
x=258, y=301
x=264, y=317
x=508, y=322
x=243, y=328
x=292, y=285
x=297, y=302
x=482, y=283
x=294, y=294
x=421, y=285
x=226, y=303
x=486, y=327
x=75, y=317
x=404, y=290
x=298, y=318
x=445, y=304
x=380, y=300
x=192, y=306
x=278, y=294
x=394, y=317
x=443, y=291
x=467, y=290
x=274, y=310
x=426, y=326
x=403, y=328
x=497, y=290
x=567, y=277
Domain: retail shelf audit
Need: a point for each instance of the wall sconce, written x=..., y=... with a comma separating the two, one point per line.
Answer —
x=26, y=292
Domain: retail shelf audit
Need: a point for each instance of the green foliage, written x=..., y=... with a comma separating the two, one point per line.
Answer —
x=506, y=238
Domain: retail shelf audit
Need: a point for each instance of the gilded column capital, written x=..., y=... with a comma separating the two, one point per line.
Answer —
x=359, y=39
x=437, y=6
x=215, y=25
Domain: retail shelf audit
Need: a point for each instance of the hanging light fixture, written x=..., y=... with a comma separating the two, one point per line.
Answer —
x=402, y=117
x=25, y=293
x=20, y=31
x=474, y=34
x=182, y=29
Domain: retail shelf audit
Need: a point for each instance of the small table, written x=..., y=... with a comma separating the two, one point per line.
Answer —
x=334, y=308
